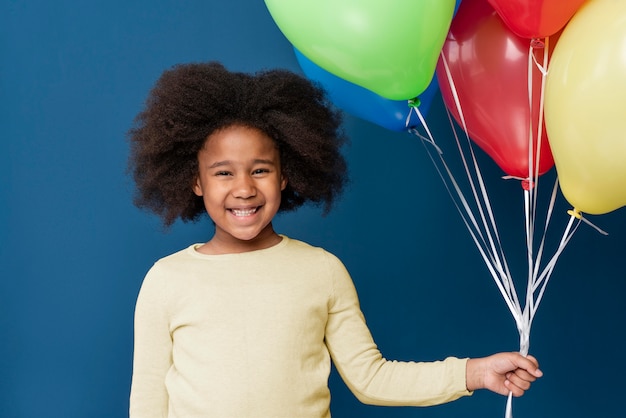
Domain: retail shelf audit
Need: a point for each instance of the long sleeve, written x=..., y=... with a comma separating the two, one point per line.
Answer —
x=372, y=378
x=152, y=356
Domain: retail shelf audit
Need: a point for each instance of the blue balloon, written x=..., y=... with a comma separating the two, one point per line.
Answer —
x=456, y=7
x=365, y=104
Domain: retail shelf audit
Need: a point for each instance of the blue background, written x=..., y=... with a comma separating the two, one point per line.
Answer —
x=73, y=249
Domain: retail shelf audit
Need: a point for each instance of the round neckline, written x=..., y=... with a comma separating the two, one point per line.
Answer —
x=192, y=249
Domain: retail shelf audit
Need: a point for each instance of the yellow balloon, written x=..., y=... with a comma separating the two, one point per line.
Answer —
x=585, y=107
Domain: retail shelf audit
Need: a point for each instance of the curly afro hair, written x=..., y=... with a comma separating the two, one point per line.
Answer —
x=191, y=101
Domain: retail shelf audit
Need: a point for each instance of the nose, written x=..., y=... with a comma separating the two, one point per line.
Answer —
x=244, y=187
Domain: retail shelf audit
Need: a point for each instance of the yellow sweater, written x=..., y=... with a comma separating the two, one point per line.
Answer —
x=252, y=335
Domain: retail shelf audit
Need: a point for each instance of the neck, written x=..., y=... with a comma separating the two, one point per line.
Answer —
x=219, y=245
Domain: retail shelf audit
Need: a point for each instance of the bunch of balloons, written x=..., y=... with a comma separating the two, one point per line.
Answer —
x=534, y=83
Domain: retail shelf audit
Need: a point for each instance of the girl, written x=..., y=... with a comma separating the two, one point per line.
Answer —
x=246, y=324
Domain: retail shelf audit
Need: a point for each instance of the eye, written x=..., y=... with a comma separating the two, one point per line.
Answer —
x=222, y=173
x=260, y=171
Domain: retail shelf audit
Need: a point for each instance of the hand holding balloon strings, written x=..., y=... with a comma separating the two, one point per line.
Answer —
x=503, y=373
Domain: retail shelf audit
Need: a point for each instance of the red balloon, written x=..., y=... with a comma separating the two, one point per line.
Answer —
x=536, y=18
x=489, y=67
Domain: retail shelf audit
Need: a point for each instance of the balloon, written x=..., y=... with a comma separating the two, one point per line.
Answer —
x=536, y=18
x=363, y=103
x=489, y=67
x=389, y=47
x=586, y=107
x=456, y=7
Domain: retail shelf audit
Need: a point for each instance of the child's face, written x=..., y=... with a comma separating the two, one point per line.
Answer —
x=240, y=181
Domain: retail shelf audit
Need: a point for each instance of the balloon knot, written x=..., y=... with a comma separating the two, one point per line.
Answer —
x=415, y=102
x=528, y=184
x=575, y=213
x=537, y=43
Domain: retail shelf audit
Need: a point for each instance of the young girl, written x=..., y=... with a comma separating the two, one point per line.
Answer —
x=246, y=324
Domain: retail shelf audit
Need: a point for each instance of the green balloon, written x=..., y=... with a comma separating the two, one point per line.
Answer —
x=390, y=47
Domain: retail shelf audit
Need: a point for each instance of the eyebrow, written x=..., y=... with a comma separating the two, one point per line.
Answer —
x=228, y=162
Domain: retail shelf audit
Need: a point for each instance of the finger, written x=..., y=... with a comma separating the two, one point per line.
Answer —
x=514, y=389
x=524, y=375
x=519, y=382
x=530, y=364
x=533, y=359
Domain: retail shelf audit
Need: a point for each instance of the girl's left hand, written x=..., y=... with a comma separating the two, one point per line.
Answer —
x=503, y=373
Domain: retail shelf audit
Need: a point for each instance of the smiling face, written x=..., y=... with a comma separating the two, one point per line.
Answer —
x=240, y=181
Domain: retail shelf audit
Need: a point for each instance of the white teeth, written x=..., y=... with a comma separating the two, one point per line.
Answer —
x=243, y=212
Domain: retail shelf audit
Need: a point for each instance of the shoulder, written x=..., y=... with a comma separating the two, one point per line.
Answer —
x=173, y=273
x=305, y=250
x=183, y=256
x=313, y=262
x=172, y=264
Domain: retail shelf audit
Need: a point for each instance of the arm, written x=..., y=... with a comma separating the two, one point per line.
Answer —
x=502, y=373
x=373, y=379
x=152, y=352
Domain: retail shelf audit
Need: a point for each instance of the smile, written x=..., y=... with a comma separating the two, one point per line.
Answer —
x=244, y=212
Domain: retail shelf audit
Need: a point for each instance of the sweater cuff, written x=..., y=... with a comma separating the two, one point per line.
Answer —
x=460, y=375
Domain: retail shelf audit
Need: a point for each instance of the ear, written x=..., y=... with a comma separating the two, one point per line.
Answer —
x=283, y=181
x=197, y=187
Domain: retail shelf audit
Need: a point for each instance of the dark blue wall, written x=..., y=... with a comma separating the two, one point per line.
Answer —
x=73, y=249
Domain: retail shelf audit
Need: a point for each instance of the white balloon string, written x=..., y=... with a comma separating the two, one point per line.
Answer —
x=541, y=67
x=537, y=262
x=545, y=232
x=534, y=151
x=408, y=116
x=585, y=220
x=529, y=86
x=545, y=276
x=542, y=102
x=567, y=234
x=529, y=203
x=431, y=138
x=497, y=254
x=475, y=232
x=454, y=91
x=508, y=412
x=529, y=238
x=508, y=177
x=530, y=195
x=539, y=135
x=487, y=205
x=468, y=217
